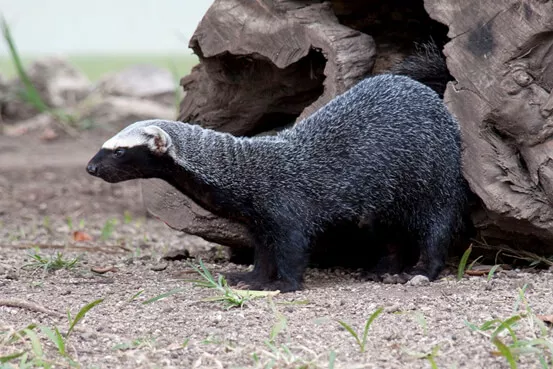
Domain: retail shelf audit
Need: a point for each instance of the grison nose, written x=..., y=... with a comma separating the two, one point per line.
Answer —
x=92, y=169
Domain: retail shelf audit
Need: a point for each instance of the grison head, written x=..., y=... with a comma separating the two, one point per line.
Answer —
x=138, y=151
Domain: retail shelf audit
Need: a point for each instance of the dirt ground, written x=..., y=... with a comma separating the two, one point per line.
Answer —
x=45, y=195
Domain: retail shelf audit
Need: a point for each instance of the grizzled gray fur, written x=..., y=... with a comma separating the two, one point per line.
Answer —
x=385, y=153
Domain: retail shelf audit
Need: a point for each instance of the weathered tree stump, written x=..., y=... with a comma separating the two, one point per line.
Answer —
x=169, y=205
x=501, y=55
x=267, y=64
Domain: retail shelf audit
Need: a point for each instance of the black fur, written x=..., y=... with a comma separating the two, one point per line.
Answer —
x=426, y=65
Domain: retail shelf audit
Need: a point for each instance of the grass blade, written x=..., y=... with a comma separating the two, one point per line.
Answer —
x=420, y=319
x=506, y=352
x=489, y=324
x=543, y=342
x=543, y=362
x=32, y=95
x=278, y=327
x=471, y=326
x=507, y=325
x=492, y=272
x=471, y=265
x=23, y=361
x=136, y=295
x=80, y=315
x=463, y=263
x=55, y=337
x=369, y=322
x=163, y=295
x=60, y=342
x=14, y=337
x=10, y=357
x=331, y=359
x=35, y=342
x=352, y=332
x=432, y=357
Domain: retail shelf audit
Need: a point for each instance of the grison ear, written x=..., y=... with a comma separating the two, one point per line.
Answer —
x=159, y=141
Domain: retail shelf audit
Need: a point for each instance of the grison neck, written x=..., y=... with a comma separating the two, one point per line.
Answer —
x=218, y=171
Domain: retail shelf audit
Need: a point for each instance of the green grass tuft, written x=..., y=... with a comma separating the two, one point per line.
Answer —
x=52, y=262
x=33, y=354
x=108, y=229
x=228, y=296
x=505, y=336
x=362, y=342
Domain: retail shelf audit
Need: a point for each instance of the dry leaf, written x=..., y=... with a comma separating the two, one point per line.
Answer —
x=80, y=236
x=103, y=270
x=546, y=318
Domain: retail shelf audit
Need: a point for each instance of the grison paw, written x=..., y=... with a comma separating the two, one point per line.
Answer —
x=252, y=281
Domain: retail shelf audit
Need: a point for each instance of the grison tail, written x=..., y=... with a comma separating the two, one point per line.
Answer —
x=427, y=66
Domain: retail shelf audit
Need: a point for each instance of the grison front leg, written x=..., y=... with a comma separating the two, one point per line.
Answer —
x=280, y=261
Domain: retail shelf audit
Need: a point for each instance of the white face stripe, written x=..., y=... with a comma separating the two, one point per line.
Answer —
x=125, y=141
x=153, y=137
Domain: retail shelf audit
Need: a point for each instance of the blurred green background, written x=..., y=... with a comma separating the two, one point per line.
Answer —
x=97, y=65
x=103, y=36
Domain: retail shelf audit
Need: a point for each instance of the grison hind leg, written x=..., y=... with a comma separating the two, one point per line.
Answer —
x=433, y=237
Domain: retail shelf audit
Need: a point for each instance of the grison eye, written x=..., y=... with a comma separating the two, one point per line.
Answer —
x=119, y=152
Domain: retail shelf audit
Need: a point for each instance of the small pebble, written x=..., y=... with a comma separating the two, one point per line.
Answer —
x=159, y=267
x=393, y=309
x=12, y=274
x=419, y=280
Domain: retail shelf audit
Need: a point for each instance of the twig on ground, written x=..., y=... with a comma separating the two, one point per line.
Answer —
x=71, y=247
x=22, y=304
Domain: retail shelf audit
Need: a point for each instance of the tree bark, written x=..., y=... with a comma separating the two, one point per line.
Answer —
x=266, y=60
x=501, y=55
